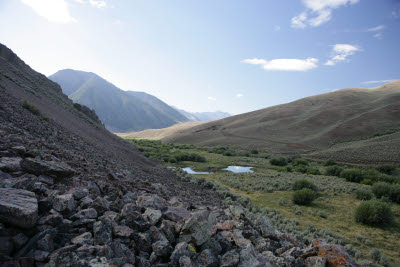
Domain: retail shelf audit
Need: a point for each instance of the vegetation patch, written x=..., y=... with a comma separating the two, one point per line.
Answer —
x=304, y=196
x=374, y=212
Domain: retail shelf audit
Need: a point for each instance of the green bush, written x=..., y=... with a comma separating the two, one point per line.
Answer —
x=364, y=194
x=313, y=171
x=300, y=161
x=382, y=189
x=254, y=151
x=281, y=161
x=304, y=196
x=330, y=162
x=374, y=212
x=386, y=169
x=31, y=108
x=301, y=168
x=333, y=171
x=352, y=175
x=303, y=183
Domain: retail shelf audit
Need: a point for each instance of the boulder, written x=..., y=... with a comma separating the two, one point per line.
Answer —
x=102, y=231
x=198, y=227
x=265, y=226
x=51, y=168
x=334, y=255
x=230, y=259
x=315, y=262
x=153, y=216
x=18, y=207
x=85, y=214
x=122, y=231
x=176, y=214
x=83, y=239
x=207, y=259
x=151, y=201
x=10, y=164
x=162, y=249
x=181, y=249
x=64, y=203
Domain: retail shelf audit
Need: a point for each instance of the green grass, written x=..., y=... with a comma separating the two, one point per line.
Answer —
x=331, y=216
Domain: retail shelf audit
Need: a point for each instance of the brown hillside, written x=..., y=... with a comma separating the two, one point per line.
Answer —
x=307, y=125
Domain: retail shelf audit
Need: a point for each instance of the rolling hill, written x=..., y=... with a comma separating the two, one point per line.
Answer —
x=337, y=125
x=204, y=116
x=120, y=111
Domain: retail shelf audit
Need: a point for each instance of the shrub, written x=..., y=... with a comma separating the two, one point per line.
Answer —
x=374, y=212
x=313, y=171
x=304, y=196
x=364, y=194
x=31, y=108
x=333, y=171
x=352, y=175
x=300, y=161
x=330, y=162
x=278, y=161
x=303, y=183
x=381, y=189
x=386, y=169
x=375, y=254
x=367, y=182
x=254, y=151
x=301, y=168
x=395, y=193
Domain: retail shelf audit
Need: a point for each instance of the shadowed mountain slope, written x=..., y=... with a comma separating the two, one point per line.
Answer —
x=310, y=125
x=119, y=110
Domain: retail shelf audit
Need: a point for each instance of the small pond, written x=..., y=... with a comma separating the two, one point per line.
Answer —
x=239, y=169
x=191, y=171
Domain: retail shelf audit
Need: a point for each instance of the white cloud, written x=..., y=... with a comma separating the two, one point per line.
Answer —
x=318, y=12
x=277, y=28
x=341, y=52
x=52, y=10
x=380, y=81
x=211, y=98
x=98, y=3
x=239, y=95
x=377, y=28
x=378, y=35
x=284, y=64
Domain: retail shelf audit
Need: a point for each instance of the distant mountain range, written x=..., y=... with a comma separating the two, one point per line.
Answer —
x=120, y=111
x=204, y=116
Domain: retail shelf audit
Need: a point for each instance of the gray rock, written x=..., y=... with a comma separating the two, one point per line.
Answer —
x=18, y=207
x=248, y=257
x=101, y=205
x=121, y=254
x=64, y=203
x=315, y=262
x=176, y=214
x=46, y=243
x=198, y=227
x=33, y=242
x=207, y=259
x=162, y=249
x=122, y=231
x=265, y=226
x=230, y=259
x=83, y=239
x=19, y=240
x=51, y=219
x=46, y=179
x=102, y=231
x=181, y=249
x=151, y=201
x=6, y=246
x=10, y=164
x=41, y=255
x=85, y=214
x=51, y=168
x=236, y=211
x=78, y=192
x=185, y=261
x=153, y=216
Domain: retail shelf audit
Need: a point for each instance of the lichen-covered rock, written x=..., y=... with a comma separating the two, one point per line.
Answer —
x=18, y=207
x=162, y=249
x=151, y=201
x=207, y=259
x=315, y=262
x=51, y=168
x=176, y=214
x=83, y=239
x=10, y=164
x=85, y=214
x=198, y=227
x=230, y=259
x=64, y=203
x=334, y=255
x=122, y=231
x=153, y=216
x=181, y=249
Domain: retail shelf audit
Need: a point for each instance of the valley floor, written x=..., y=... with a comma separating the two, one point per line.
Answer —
x=270, y=187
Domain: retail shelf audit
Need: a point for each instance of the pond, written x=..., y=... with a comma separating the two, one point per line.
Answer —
x=191, y=171
x=239, y=169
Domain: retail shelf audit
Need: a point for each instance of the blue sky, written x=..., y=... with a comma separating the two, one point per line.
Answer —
x=230, y=55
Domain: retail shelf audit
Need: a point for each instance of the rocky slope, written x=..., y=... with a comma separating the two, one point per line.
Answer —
x=120, y=111
x=73, y=194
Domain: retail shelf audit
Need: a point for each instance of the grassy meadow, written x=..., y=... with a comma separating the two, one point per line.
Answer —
x=330, y=216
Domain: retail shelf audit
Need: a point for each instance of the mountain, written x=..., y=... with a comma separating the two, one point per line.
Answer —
x=204, y=116
x=120, y=111
x=339, y=125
